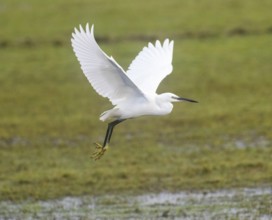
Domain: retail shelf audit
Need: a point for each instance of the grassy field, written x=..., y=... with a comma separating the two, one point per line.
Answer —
x=49, y=113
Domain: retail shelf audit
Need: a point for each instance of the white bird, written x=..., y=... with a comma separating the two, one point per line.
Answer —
x=133, y=93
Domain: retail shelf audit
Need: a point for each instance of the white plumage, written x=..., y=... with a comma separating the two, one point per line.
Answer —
x=105, y=75
x=151, y=66
x=133, y=93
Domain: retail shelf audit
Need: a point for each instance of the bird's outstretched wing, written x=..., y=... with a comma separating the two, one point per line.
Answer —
x=105, y=75
x=152, y=65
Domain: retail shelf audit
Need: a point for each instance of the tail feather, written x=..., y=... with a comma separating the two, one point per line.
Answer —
x=110, y=114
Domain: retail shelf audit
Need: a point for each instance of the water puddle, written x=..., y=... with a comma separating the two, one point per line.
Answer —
x=247, y=203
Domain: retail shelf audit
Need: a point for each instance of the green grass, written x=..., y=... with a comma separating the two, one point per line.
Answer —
x=53, y=20
x=49, y=113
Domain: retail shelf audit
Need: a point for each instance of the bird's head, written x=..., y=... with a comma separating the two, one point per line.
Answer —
x=170, y=97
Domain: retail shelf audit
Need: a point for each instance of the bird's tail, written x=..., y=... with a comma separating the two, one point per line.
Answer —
x=110, y=114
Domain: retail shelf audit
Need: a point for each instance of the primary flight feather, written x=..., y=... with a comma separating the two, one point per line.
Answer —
x=133, y=93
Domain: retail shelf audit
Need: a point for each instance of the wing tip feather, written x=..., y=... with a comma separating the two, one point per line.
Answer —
x=80, y=29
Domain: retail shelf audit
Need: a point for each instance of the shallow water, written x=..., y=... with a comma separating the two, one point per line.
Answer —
x=248, y=203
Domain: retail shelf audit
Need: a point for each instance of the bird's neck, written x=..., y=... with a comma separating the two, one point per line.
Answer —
x=164, y=104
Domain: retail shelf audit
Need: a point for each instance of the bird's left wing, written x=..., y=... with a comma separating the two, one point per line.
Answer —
x=105, y=75
x=152, y=65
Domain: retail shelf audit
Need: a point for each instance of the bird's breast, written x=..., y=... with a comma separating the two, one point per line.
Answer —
x=155, y=109
x=145, y=108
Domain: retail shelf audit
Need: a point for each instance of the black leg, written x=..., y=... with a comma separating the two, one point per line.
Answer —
x=106, y=137
x=110, y=130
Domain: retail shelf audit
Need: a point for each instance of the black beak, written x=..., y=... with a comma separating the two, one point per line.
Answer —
x=185, y=99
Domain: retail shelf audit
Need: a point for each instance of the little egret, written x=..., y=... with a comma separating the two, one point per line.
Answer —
x=132, y=93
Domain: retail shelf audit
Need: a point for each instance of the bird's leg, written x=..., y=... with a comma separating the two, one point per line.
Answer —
x=116, y=122
x=100, y=150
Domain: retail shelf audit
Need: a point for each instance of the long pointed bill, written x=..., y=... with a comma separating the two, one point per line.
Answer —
x=187, y=100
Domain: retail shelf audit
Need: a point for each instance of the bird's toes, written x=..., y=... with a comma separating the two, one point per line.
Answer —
x=98, y=146
x=99, y=151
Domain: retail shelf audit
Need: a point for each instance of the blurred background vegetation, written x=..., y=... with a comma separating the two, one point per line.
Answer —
x=49, y=113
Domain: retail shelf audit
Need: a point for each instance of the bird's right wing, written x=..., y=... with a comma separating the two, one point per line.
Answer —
x=152, y=65
x=105, y=75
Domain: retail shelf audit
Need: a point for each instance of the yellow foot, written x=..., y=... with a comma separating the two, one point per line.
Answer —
x=99, y=151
